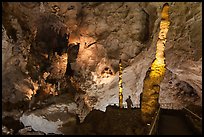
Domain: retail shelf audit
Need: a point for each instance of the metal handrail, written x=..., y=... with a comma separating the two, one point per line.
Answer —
x=154, y=122
x=170, y=106
x=193, y=113
x=125, y=105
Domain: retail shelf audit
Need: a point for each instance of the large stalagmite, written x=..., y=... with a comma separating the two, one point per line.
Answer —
x=150, y=94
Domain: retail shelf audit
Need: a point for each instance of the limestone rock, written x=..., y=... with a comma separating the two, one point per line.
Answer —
x=53, y=119
x=106, y=32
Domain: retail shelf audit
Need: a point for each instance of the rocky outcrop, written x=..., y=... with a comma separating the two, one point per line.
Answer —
x=184, y=94
x=57, y=118
x=29, y=131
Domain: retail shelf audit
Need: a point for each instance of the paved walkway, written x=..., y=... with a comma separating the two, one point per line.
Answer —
x=173, y=123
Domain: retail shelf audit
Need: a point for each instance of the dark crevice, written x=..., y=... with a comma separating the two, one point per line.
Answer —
x=146, y=34
x=11, y=123
x=10, y=31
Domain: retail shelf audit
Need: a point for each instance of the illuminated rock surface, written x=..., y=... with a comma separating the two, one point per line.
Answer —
x=52, y=119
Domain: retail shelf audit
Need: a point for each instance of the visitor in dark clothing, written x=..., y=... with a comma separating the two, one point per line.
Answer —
x=129, y=102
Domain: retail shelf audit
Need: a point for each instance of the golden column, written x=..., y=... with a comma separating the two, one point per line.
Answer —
x=151, y=83
x=120, y=85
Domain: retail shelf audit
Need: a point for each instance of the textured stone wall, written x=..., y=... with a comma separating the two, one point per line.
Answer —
x=184, y=45
x=105, y=31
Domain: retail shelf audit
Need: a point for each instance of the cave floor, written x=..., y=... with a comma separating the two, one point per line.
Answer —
x=114, y=121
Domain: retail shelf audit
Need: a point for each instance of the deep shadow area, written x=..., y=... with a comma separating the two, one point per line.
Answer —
x=11, y=123
x=174, y=122
x=114, y=121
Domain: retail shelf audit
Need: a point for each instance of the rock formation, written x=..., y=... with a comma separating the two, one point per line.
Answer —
x=52, y=49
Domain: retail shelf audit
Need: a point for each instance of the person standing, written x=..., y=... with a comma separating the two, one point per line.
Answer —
x=129, y=102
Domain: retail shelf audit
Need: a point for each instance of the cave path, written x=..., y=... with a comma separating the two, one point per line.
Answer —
x=172, y=122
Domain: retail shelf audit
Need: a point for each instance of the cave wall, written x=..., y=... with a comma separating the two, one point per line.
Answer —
x=105, y=31
x=184, y=45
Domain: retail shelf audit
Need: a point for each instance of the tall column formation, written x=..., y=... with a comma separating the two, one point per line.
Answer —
x=120, y=86
x=151, y=83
